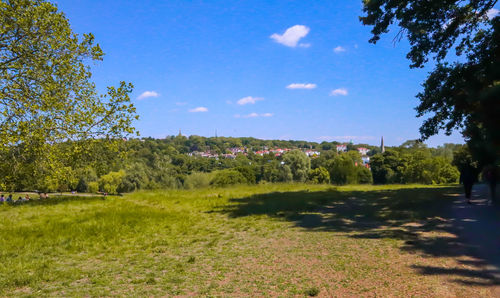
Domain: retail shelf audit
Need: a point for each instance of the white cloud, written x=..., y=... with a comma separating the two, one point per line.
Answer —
x=198, y=110
x=180, y=103
x=254, y=115
x=251, y=115
x=301, y=86
x=304, y=45
x=249, y=100
x=339, y=49
x=292, y=36
x=345, y=138
x=339, y=91
x=148, y=94
x=492, y=13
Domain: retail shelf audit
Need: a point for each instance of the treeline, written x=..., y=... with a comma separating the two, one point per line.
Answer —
x=128, y=165
x=414, y=163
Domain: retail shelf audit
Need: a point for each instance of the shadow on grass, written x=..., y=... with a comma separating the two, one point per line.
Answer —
x=407, y=214
x=55, y=200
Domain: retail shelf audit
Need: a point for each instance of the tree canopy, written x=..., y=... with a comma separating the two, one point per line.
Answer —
x=462, y=94
x=46, y=92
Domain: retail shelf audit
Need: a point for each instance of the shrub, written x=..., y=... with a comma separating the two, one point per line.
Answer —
x=248, y=173
x=93, y=187
x=364, y=175
x=197, y=180
x=110, y=182
x=449, y=174
x=227, y=177
x=319, y=176
x=82, y=185
x=312, y=292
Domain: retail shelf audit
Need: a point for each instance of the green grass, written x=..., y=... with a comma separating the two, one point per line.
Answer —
x=246, y=240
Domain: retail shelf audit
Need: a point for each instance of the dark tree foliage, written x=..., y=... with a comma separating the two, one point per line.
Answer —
x=431, y=26
x=462, y=95
x=467, y=95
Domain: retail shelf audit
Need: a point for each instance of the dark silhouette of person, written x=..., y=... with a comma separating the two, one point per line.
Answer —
x=468, y=176
x=491, y=177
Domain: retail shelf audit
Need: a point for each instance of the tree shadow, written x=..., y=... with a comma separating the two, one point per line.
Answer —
x=408, y=214
x=54, y=200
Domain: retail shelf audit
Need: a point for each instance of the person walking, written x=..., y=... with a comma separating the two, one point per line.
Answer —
x=468, y=176
x=490, y=175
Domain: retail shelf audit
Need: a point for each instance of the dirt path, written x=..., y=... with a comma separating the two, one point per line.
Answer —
x=478, y=227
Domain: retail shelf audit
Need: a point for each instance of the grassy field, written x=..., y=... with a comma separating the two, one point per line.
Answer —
x=277, y=240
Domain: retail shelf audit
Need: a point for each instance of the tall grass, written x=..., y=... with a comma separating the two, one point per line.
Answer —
x=210, y=241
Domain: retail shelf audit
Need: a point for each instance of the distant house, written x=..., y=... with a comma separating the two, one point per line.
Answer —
x=341, y=148
x=236, y=150
x=262, y=152
x=206, y=154
x=312, y=153
x=363, y=151
x=366, y=161
x=279, y=151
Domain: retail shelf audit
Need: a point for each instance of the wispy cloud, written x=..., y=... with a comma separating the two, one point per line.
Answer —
x=198, y=110
x=339, y=91
x=292, y=36
x=346, y=138
x=147, y=94
x=339, y=49
x=251, y=115
x=492, y=13
x=249, y=100
x=301, y=86
x=254, y=115
x=180, y=103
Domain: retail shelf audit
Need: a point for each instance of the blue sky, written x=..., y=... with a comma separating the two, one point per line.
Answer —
x=202, y=66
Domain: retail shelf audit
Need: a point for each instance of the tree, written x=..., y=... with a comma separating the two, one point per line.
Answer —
x=136, y=177
x=388, y=167
x=111, y=182
x=342, y=169
x=462, y=159
x=299, y=164
x=46, y=93
x=319, y=176
x=364, y=175
x=466, y=96
x=461, y=95
x=274, y=171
